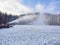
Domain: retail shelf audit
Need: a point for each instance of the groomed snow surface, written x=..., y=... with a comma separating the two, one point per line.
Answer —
x=30, y=35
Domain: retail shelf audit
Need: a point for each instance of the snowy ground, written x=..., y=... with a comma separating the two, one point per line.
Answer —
x=30, y=35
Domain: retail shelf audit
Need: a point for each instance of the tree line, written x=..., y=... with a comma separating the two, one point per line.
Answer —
x=5, y=18
x=53, y=19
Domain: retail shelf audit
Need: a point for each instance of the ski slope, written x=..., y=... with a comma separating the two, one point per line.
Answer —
x=30, y=35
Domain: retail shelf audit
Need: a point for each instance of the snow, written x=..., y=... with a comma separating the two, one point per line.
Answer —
x=35, y=19
x=40, y=20
x=30, y=35
x=37, y=33
x=24, y=19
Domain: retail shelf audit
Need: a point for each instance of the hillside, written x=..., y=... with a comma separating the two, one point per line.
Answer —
x=38, y=19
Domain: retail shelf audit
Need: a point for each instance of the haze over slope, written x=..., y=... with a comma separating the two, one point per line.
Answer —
x=38, y=19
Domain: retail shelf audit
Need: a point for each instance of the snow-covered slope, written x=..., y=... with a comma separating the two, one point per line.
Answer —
x=30, y=35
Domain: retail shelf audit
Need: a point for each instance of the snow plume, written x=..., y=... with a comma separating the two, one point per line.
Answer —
x=13, y=7
x=40, y=20
x=35, y=19
x=26, y=19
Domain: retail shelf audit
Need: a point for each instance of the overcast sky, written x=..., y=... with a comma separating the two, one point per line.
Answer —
x=28, y=6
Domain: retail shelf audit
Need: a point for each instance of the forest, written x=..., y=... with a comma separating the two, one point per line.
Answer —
x=5, y=18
